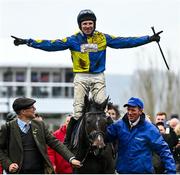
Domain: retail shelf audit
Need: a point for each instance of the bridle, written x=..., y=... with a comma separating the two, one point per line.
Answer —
x=93, y=134
x=90, y=147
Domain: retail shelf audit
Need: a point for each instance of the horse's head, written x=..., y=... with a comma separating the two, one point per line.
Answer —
x=95, y=122
x=90, y=147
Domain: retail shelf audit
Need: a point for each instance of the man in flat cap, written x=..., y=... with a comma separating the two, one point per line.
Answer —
x=23, y=142
x=137, y=139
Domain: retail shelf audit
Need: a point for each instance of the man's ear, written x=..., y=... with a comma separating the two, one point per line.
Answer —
x=140, y=111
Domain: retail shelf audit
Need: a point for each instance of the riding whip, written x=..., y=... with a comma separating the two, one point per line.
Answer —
x=161, y=50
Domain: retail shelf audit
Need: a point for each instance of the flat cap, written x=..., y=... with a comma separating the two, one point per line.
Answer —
x=22, y=103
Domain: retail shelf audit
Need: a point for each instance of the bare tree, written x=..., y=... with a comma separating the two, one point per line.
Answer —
x=158, y=89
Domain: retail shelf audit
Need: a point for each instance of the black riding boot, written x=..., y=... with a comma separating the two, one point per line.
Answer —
x=70, y=128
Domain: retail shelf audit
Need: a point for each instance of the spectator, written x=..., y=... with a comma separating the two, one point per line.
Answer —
x=23, y=142
x=113, y=112
x=161, y=117
x=173, y=122
x=170, y=135
x=157, y=163
x=10, y=116
x=171, y=139
x=137, y=138
x=177, y=148
x=174, y=116
x=61, y=166
x=1, y=170
x=161, y=127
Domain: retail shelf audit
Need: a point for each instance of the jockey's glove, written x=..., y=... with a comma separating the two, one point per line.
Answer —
x=19, y=41
x=155, y=37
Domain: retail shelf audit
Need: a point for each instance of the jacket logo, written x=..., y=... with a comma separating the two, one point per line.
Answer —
x=89, y=48
x=137, y=138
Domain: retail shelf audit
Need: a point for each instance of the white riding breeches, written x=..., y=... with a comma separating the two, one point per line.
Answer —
x=88, y=84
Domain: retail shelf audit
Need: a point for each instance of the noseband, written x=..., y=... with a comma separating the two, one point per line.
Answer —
x=94, y=134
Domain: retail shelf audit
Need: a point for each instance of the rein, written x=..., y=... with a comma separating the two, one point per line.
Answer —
x=85, y=155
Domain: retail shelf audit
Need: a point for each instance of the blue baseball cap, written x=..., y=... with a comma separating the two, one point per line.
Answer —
x=135, y=102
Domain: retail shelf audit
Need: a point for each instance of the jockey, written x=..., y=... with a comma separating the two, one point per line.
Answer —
x=88, y=53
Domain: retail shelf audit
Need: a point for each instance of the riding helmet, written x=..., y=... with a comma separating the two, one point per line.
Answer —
x=86, y=15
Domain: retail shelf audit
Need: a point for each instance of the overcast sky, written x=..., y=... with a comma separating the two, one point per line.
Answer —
x=52, y=19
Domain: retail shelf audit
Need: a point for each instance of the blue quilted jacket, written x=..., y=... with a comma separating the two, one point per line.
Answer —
x=135, y=147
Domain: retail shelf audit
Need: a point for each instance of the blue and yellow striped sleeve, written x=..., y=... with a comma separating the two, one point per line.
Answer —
x=49, y=45
x=126, y=42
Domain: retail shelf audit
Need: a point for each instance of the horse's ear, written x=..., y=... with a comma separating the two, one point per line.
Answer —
x=104, y=104
x=86, y=100
x=86, y=104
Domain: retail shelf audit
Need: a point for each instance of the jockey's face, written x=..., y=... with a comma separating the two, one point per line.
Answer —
x=87, y=27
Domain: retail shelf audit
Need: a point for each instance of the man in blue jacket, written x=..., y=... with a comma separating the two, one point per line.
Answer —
x=137, y=139
x=88, y=53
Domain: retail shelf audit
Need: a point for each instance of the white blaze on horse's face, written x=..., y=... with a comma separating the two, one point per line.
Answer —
x=99, y=140
x=97, y=123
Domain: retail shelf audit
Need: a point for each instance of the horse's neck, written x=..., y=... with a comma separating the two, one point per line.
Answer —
x=80, y=141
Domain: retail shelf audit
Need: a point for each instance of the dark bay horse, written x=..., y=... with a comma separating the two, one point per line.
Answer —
x=89, y=143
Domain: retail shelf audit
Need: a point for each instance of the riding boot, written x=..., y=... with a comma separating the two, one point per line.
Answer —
x=70, y=128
